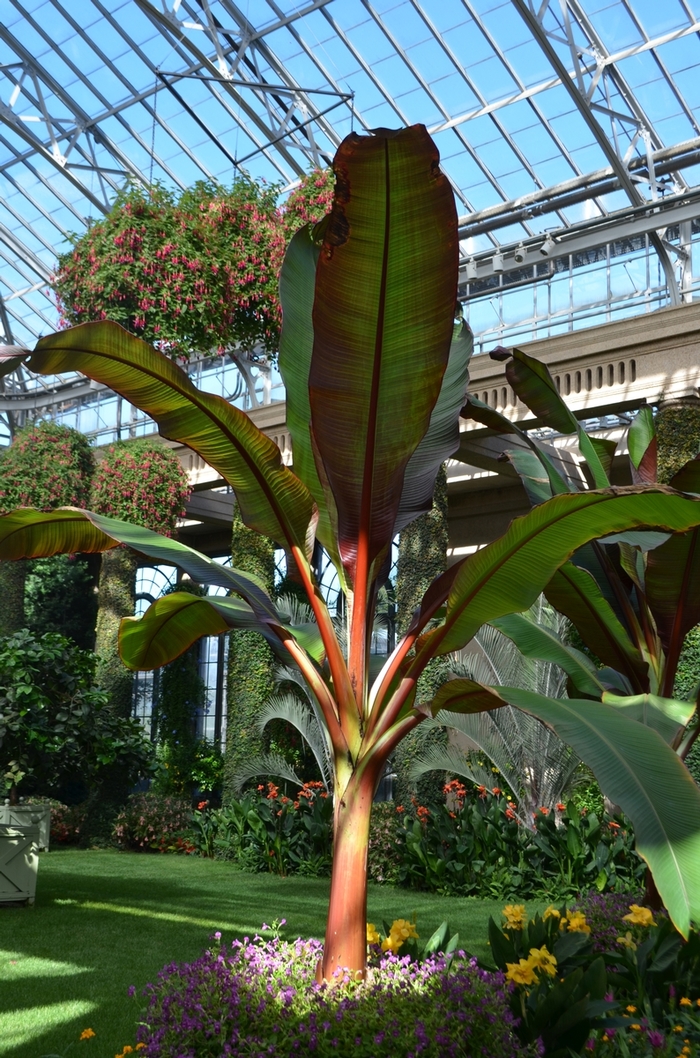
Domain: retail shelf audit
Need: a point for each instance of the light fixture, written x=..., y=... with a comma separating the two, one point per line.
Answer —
x=471, y=268
x=519, y=254
x=547, y=246
x=497, y=262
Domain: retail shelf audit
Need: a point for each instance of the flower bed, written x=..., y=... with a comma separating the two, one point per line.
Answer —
x=260, y=998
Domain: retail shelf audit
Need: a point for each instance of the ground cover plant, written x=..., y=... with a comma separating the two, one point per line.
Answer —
x=107, y=920
x=371, y=328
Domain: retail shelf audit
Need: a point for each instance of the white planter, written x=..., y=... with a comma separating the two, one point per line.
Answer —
x=19, y=859
x=28, y=816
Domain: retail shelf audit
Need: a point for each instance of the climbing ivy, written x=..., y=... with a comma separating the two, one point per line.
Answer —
x=250, y=661
x=678, y=434
x=141, y=482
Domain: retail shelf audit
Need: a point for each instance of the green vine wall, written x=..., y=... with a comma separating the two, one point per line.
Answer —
x=140, y=482
x=250, y=659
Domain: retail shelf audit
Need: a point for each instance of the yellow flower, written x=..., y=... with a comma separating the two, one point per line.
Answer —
x=541, y=959
x=403, y=929
x=627, y=942
x=391, y=943
x=522, y=973
x=87, y=1034
x=551, y=912
x=639, y=916
x=677, y=1028
x=631, y=1010
x=685, y=1002
x=515, y=916
x=577, y=923
x=637, y=1027
x=372, y=935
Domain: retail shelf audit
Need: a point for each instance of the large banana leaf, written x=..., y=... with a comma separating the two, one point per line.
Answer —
x=536, y=641
x=668, y=716
x=297, y=288
x=643, y=447
x=576, y=594
x=386, y=286
x=272, y=499
x=672, y=580
x=536, y=388
x=442, y=439
x=172, y=624
x=27, y=533
x=508, y=574
x=638, y=771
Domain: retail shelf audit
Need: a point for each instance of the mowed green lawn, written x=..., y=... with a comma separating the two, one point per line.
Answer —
x=106, y=920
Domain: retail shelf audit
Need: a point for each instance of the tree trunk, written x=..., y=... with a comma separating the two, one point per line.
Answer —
x=115, y=600
x=12, y=578
x=345, y=945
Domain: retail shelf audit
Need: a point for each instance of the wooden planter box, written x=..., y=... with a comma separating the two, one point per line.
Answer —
x=19, y=859
x=28, y=816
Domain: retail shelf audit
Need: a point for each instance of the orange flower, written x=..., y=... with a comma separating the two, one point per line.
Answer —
x=561, y=807
x=496, y=791
x=544, y=811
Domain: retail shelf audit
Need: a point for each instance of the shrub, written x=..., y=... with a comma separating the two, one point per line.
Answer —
x=152, y=822
x=385, y=843
x=264, y=830
x=260, y=998
x=475, y=845
x=66, y=821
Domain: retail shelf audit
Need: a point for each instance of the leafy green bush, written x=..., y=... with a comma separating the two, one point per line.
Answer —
x=54, y=722
x=265, y=831
x=634, y=990
x=66, y=823
x=474, y=845
x=150, y=822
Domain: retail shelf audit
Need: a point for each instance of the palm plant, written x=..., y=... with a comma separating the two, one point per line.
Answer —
x=537, y=765
x=374, y=360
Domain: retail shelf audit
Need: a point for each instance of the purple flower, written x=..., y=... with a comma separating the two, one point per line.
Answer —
x=656, y=1039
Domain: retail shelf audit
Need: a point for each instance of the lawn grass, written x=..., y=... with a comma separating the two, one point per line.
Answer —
x=106, y=920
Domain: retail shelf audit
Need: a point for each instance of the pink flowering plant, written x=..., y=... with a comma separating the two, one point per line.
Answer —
x=191, y=273
x=153, y=823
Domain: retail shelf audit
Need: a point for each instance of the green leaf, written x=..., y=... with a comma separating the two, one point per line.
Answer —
x=297, y=289
x=642, y=444
x=442, y=438
x=477, y=410
x=11, y=357
x=532, y=473
x=575, y=593
x=172, y=624
x=535, y=641
x=461, y=696
x=535, y=386
x=665, y=715
x=383, y=316
x=638, y=771
x=272, y=499
x=26, y=533
x=672, y=588
x=508, y=574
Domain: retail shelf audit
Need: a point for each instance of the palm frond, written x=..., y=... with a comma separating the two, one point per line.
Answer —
x=264, y=765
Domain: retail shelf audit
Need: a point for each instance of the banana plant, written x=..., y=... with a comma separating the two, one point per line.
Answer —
x=375, y=361
x=633, y=597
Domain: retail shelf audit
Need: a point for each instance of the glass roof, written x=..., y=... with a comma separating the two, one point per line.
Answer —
x=588, y=110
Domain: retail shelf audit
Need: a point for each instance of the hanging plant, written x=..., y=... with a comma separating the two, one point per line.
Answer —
x=46, y=466
x=141, y=481
x=193, y=273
